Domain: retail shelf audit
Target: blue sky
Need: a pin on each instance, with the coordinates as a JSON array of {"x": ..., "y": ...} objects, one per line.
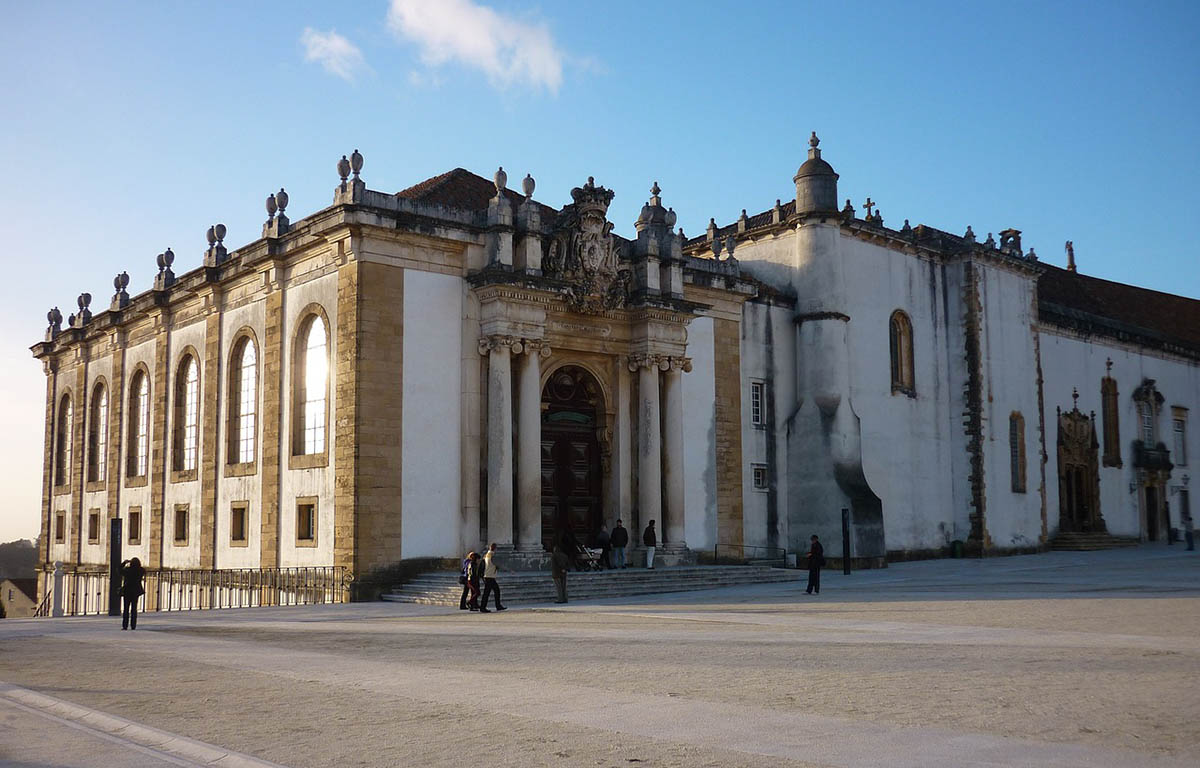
[{"x": 128, "y": 128}]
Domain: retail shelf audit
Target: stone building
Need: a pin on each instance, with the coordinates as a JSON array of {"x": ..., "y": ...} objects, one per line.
[{"x": 413, "y": 374}]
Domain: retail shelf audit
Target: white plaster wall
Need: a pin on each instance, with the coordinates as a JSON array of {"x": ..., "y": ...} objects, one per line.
[
  {"x": 431, "y": 486},
  {"x": 1070, "y": 362},
  {"x": 315, "y": 481},
  {"x": 247, "y": 488},
  {"x": 1008, "y": 363},
  {"x": 906, "y": 441},
  {"x": 699, "y": 439},
  {"x": 139, "y": 354},
  {"x": 186, "y": 555}
]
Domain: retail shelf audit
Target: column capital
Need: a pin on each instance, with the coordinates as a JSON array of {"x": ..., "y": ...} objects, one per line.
[
  {"x": 499, "y": 341},
  {"x": 683, "y": 364},
  {"x": 647, "y": 360},
  {"x": 538, "y": 347}
]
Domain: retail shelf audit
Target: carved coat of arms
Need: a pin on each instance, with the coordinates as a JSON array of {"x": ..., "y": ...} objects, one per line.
[{"x": 584, "y": 254}]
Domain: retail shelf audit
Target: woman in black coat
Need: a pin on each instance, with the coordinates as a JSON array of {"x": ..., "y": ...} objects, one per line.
[{"x": 132, "y": 589}]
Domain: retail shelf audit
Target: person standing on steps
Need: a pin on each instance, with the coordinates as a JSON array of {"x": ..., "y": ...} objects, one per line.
[
  {"x": 604, "y": 541},
  {"x": 489, "y": 579},
  {"x": 473, "y": 580},
  {"x": 132, "y": 589},
  {"x": 559, "y": 563},
  {"x": 464, "y": 578},
  {"x": 650, "y": 540},
  {"x": 816, "y": 559},
  {"x": 619, "y": 540}
]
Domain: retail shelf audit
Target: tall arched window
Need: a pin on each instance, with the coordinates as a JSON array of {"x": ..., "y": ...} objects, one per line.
[
  {"x": 187, "y": 414},
  {"x": 97, "y": 448},
  {"x": 243, "y": 402},
  {"x": 137, "y": 452},
  {"x": 1112, "y": 426},
  {"x": 312, "y": 383},
  {"x": 62, "y": 453},
  {"x": 900, "y": 332}
]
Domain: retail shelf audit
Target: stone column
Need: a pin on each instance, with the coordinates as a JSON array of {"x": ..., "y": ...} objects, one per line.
[
  {"x": 649, "y": 441},
  {"x": 529, "y": 447},
  {"x": 500, "y": 439},
  {"x": 673, "y": 514}
]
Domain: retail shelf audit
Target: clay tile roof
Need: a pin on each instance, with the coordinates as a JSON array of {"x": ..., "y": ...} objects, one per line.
[
  {"x": 752, "y": 222},
  {"x": 1140, "y": 311},
  {"x": 462, "y": 189}
]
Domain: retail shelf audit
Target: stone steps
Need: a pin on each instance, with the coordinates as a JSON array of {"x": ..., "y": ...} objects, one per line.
[
  {"x": 1090, "y": 542},
  {"x": 442, "y": 587}
]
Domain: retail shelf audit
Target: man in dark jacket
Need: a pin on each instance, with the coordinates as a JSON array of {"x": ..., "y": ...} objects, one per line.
[
  {"x": 816, "y": 559},
  {"x": 619, "y": 540},
  {"x": 604, "y": 541},
  {"x": 650, "y": 541}
]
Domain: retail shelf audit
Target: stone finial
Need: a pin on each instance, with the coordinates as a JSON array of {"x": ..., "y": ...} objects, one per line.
[
  {"x": 672, "y": 217},
  {"x": 848, "y": 209},
  {"x": 220, "y": 231},
  {"x": 281, "y": 199},
  {"x": 356, "y": 163},
  {"x": 1031, "y": 255},
  {"x": 1108, "y": 366},
  {"x": 1070, "y": 248},
  {"x": 711, "y": 232},
  {"x": 1075, "y": 397},
  {"x": 654, "y": 192},
  {"x": 120, "y": 298},
  {"x": 776, "y": 212},
  {"x": 813, "y": 141},
  {"x": 527, "y": 186},
  {"x": 216, "y": 252},
  {"x": 500, "y": 180},
  {"x": 211, "y": 237},
  {"x": 54, "y": 320},
  {"x": 907, "y": 228},
  {"x": 730, "y": 244},
  {"x": 84, "y": 316},
  {"x": 742, "y": 221},
  {"x": 970, "y": 235},
  {"x": 878, "y": 218},
  {"x": 717, "y": 244},
  {"x": 990, "y": 242},
  {"x": 165, "y": 277},
  {"x": 272, "y": 207},
  {"x": 343, "y": 168},
  {"x": 681, "y": 235}
]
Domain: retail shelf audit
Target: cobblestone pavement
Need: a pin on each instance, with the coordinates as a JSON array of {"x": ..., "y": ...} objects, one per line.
[{"x": 1061, "y": 659}]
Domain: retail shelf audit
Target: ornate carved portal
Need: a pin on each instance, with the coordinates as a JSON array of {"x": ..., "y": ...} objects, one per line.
[
  {"x": 572, "y": 476},
  {"x": 1078, "y": 473}
]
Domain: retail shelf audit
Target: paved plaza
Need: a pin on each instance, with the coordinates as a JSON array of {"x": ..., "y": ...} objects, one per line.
[{"x": 1061, "y": 659}]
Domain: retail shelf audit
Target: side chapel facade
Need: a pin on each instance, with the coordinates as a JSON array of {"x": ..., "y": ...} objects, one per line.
[{"x": 413, "y": 374}]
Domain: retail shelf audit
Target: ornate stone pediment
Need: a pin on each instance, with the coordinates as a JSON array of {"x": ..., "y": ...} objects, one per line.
[{"x": 584, "y": 254}]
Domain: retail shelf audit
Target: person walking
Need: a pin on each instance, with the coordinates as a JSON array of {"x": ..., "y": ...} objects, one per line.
[
  {"x": 604, "y": 541},
  {"x": 464, "y": 578},
  {"x": 816, "y": 559},
  {"x": 650, "y": 541},
  {"x": 1189, "y": 534},
  {"x": 559, "y": 563},
  {"x": 489, "y": 579},
  {"x": 132, "y": 589},
  {"x": 619, "y": 540},
  {"x": 473, "y": 580}
]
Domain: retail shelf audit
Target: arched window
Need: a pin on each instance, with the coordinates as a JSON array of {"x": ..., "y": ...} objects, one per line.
[
  {"x": 243, "y": 402},
  {"x": 1016, "y": 451},
  {"x": 97, "y": 449},
  {"x": 187, "y": 414},
  {"x": 62, "y": 453},
  {"x": 902, "y": 354},
  {"x": 137, "y": 454},
  {"x": 312, "y": 383}
]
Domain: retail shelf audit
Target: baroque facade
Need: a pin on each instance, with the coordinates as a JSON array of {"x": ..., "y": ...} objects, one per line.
[{"x": 413, "y": 374}]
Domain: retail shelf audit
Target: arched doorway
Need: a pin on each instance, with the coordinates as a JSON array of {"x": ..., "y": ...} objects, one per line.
[{"x": 572, "y": 410}]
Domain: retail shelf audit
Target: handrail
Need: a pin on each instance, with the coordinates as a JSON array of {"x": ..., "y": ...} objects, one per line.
[{"x": 43, "y": 608}]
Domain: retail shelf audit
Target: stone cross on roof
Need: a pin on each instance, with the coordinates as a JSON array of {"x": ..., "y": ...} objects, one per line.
[{"x": 868, "y": 205}]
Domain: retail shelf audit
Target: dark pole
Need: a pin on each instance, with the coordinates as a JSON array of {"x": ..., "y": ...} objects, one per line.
[
  {"x": 845, "y": 541},
  {"x": 114, "y": 567}
]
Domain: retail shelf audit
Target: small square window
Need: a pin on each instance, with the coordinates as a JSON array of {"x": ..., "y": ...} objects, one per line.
[
  {"x": 237, "y": 523},
  {"x": 760, "y": 476},
  {"x": 757, "y": 403},
  {"x": 135, "y": 525},
  {"x": 60, "y": 527},
  {"x": 306, "y": 522},
  {"x": 94, "y": 526},
  {"x": 181, "y": 524}
]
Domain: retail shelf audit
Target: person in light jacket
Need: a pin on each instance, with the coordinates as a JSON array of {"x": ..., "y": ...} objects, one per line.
[
  {"x": 650, "y": 541},
  {"x": 489, "y": 579}
]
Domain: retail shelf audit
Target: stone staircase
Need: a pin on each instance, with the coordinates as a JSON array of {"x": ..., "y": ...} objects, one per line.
[
  {"x": 1069, "y": 541},
  {"x": 524, "y": 587}
]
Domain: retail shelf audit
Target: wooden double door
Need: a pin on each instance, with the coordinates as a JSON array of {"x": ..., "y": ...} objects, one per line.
[{"x": 571, "y": 470}]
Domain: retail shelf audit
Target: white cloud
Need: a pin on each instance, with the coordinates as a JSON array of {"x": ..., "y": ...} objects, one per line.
[
  {"x": 335, "y": 53},
  {"x": 508, "y": 51}
]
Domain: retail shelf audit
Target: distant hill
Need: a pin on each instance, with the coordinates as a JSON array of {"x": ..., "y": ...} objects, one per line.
[{"x": 18, "y": 560}]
